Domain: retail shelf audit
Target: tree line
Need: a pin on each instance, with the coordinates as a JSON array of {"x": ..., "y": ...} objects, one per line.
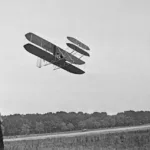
[{"x": 19, "y": 124}]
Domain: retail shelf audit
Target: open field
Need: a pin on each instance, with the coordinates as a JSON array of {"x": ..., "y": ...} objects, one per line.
[
  {"x": 127, "y": 138},
  {"x": 72, "y": 134}
]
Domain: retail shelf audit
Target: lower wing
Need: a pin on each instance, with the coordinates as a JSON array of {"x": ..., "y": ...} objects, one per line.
[{"x": 52, "y": 59}]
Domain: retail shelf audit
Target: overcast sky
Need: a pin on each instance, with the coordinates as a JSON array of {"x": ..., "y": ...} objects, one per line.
[{"x": 117, "y": 74}]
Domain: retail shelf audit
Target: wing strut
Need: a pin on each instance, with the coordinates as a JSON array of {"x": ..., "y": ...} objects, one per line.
[
  {"x": 67, "y": 54},
  {"x": 41, "y": 62}
]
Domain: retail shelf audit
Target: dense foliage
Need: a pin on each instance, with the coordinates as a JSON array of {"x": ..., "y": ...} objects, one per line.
[{"x": 18, "y": 124}]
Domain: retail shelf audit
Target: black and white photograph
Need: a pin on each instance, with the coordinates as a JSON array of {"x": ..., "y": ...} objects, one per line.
[{"x": 75, "y": 75}]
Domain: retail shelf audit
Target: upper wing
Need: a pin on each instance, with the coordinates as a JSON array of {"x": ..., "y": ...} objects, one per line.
[
  {"x": 50, "y": 58},
  {"x": 77, "y": 42},
  {"x": 53, "y": 48}
]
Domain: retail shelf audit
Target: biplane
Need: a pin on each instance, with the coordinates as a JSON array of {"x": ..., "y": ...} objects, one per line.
[{"x": 49, "y": 53}]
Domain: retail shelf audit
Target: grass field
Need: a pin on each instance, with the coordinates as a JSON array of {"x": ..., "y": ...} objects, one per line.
[{"x": 122, "y": 140}]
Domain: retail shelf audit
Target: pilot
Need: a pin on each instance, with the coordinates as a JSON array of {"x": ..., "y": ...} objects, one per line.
[
  {"x": 58, "y": 55},
  {"x": 61, "y": 56},
  {"x": 1, "y": 135}
]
